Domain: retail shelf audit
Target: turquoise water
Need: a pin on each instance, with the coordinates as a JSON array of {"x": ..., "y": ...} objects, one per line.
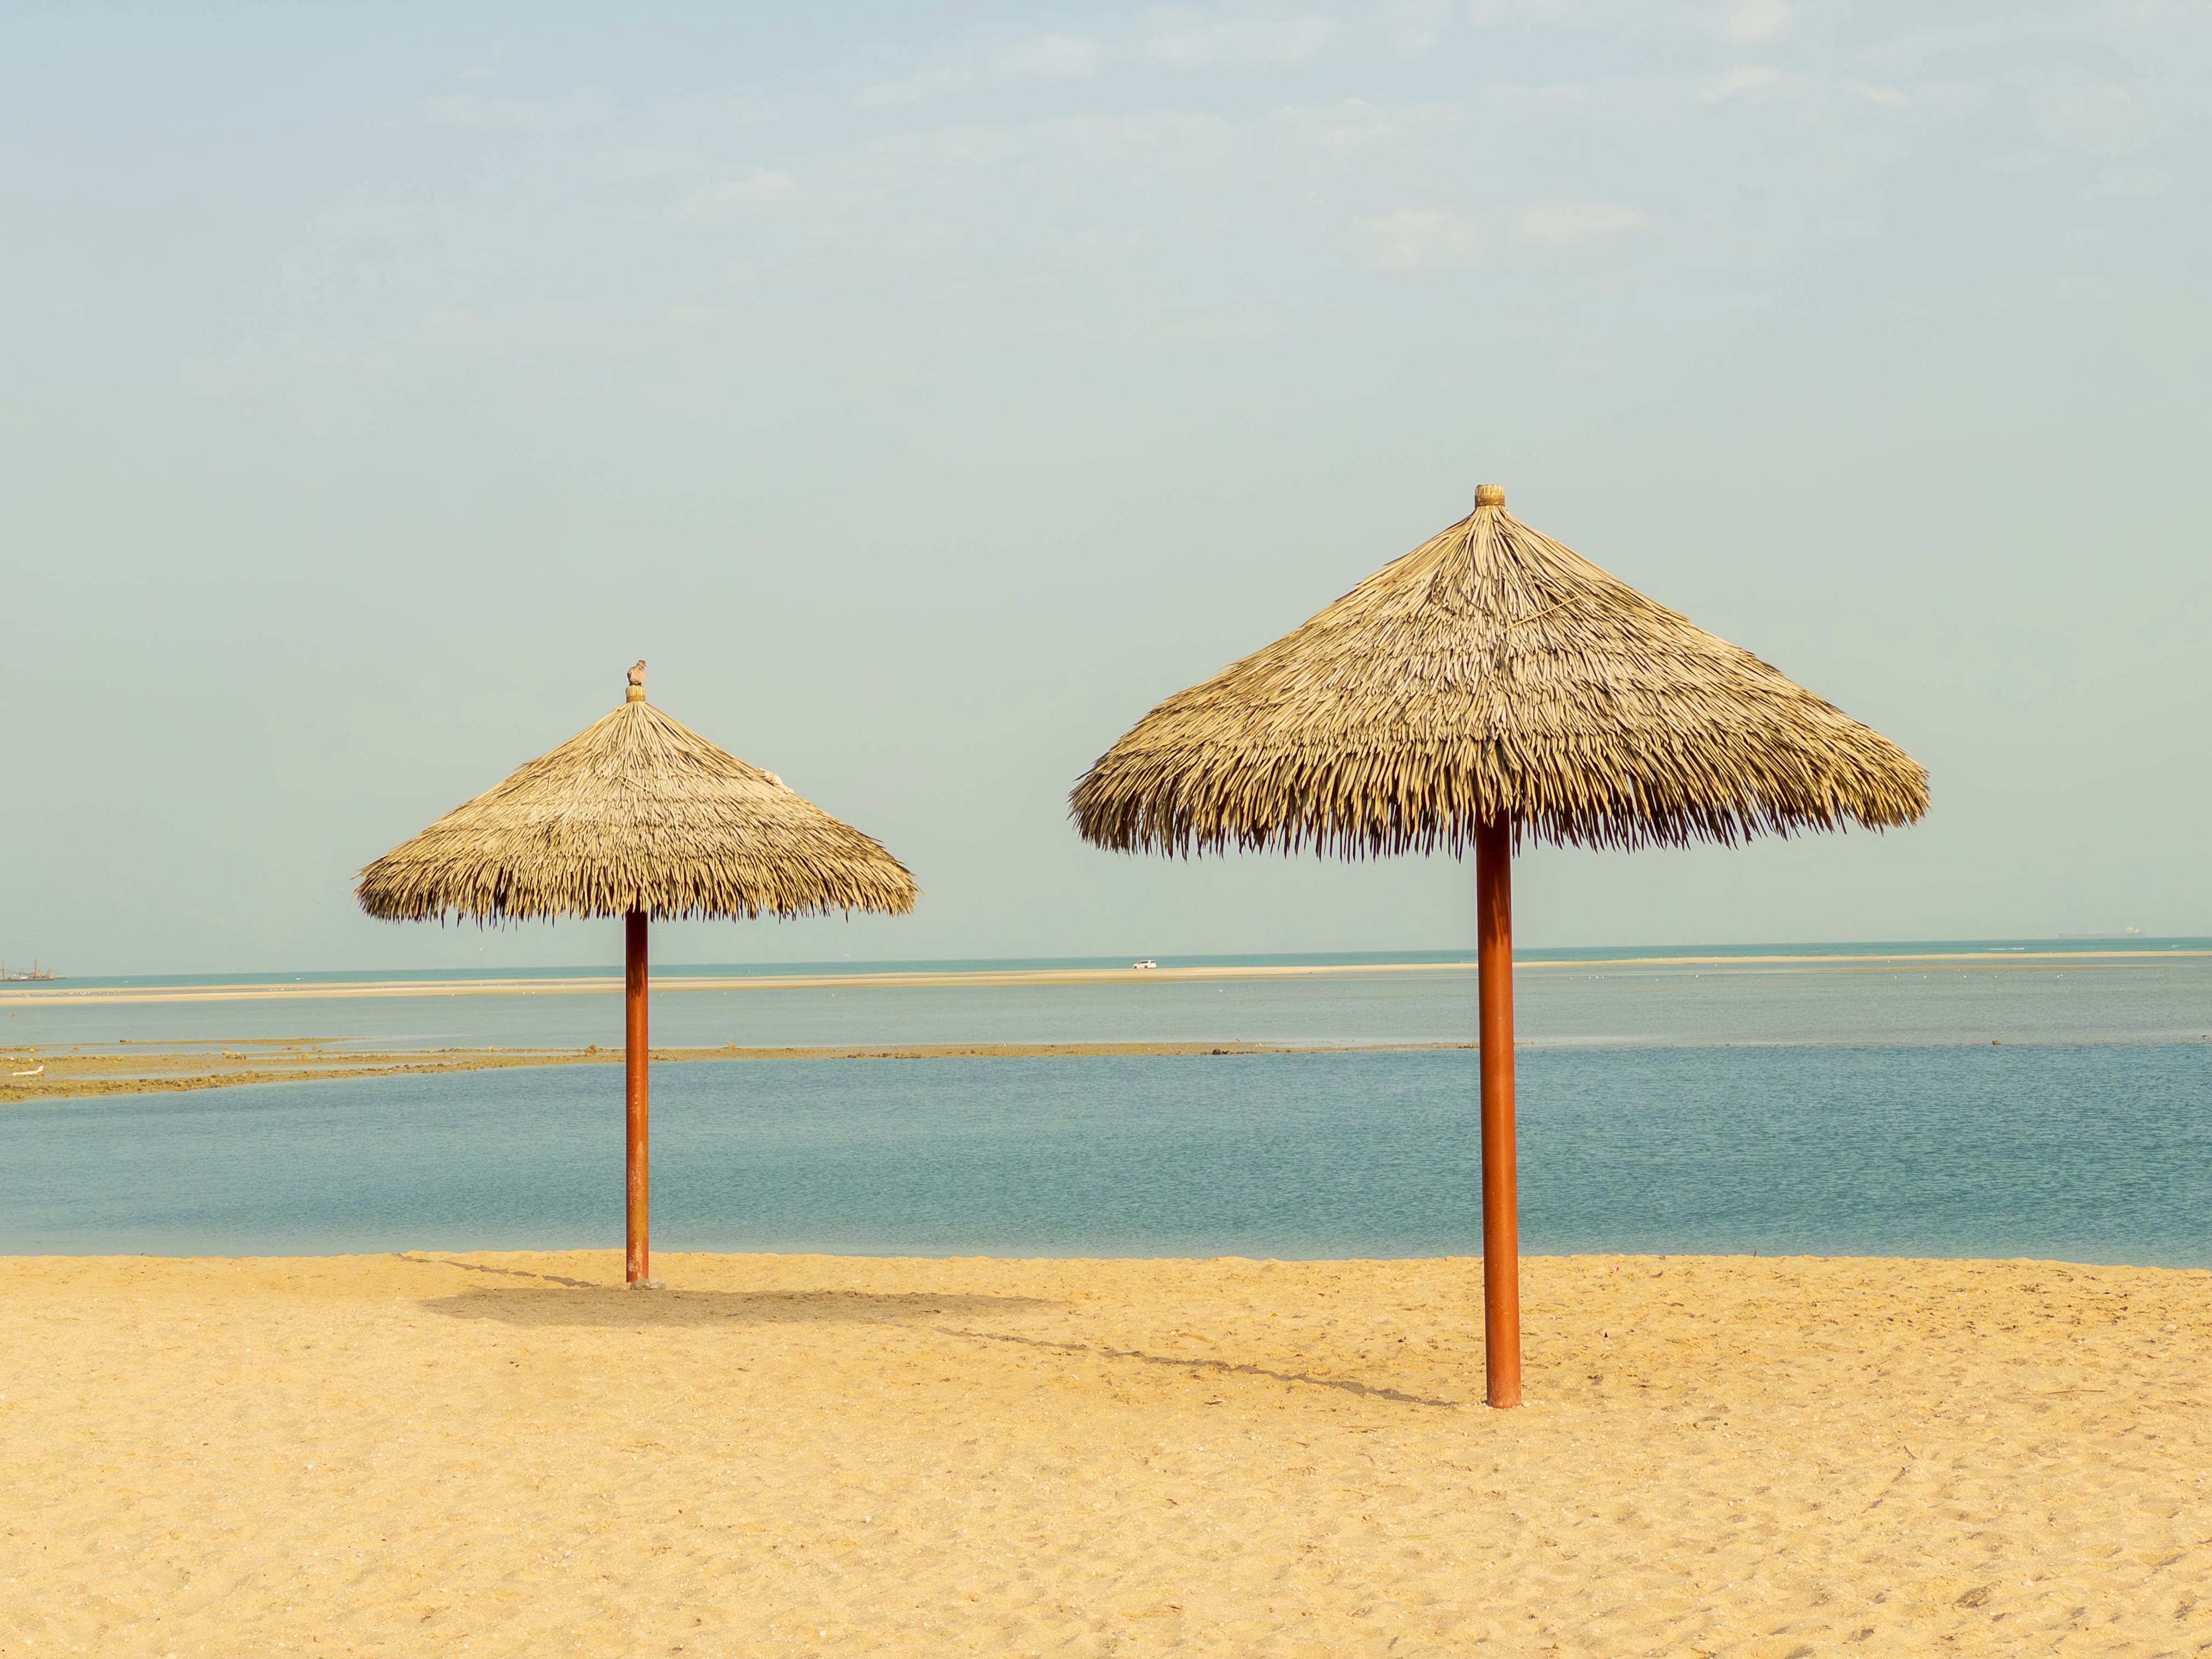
[
  {"x": 2090, "y": 1153},
  {"x": 1583, "y": 999},
  {"x": 2079, "y": 945},
  {"x": 1867, "y": 1106}
]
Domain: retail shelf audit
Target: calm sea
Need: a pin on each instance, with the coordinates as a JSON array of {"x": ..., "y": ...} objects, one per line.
[
  {"x": 2038, "y": 1108},
  {"x": 1878, "y": 995}
]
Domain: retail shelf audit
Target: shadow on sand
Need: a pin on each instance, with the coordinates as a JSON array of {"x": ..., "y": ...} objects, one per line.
[
  {"x": 631, "y": 1310},
  {"x": 1197, "y": 1366}
]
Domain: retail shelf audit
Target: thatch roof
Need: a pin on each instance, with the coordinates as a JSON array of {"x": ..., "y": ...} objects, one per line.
[
  {"x": 1491, "y": 670},
  {"x": 637, "y": 811}
]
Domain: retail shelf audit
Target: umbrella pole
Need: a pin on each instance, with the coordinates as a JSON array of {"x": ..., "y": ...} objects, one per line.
[
  {"x": 636, "y": 1057},
  {"x": 1501, "y": 1214}
]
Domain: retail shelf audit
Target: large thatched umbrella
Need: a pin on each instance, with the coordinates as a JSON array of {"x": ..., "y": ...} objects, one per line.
[
  {"x": 638, "y": 816},
  {"x": 1492, "y": 687}
]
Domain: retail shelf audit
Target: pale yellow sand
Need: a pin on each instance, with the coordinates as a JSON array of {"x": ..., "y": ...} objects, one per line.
[
  {"x": 809, "y": 1455},
  {"x": 678, "y": 979},
  {"x": 126, "y": 1068}
]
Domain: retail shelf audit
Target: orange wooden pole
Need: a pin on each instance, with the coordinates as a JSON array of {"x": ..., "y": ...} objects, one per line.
[
  {"x": 637, "y": 1059},
  {"x": 1501, "y": 1203}
]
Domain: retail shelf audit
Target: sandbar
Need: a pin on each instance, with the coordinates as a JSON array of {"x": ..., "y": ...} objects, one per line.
[
  {"x": 126, "y": 1068},
  {"x": 679, "y": 979}
]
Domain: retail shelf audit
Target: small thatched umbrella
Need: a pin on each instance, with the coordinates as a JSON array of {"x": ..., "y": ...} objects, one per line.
[
  {"x": 637, "y": 816},
  {"x": 1492, "y": 687}
]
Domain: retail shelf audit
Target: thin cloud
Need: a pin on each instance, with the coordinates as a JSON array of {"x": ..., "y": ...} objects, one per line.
[
  {"x": 466, "y": 110},
  {"x": 2129, "y": 183},
  {"x": 1046, "y": 57},
  {"x": 650, "y": 162},
  {"x": 1564, "y": 223},
  {"x": 1559, "y": 14},
  {"x": 1189, "y": 157},
  {"x": 921, "y": 86},
  {"x": 1890, "y": 97},
  {"x": 1411, "y": 238},
  {"x": 486, "y": 71},
  {"x": 2103, "y": 119},
  {"x": 1241, "y": 326},
  {"x": 1415, "y": 24},
  {"x": 1049, "y": 58},
  {"x": 1181, "y": 39},
  {"x": 763, "y": 192},
  {"x": 1752, "y": 84},
  {"x": 1578, "y": 97},
  {"x": 1748, "y": 21},
  {"x": 1325, "y": 140}
]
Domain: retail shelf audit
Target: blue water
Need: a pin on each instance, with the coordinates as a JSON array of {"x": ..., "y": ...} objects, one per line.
[
  {"x": 1861, "y": 999},
  {"x": 2087, "y": 1152},
  {"x": 2082, "y": 944}
]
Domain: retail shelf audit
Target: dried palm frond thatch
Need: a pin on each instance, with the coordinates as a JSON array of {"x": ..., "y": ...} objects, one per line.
[
  {"x": 1492, "y": 674},
  {"x": 637, "y": 812}
]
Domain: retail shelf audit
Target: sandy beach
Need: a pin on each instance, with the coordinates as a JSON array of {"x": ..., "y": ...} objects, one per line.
[
  {"x": 142, "y": 1069},
  {"x": 784, "y": 1454}
]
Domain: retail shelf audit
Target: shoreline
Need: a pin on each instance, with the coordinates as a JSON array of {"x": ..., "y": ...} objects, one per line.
[
  {"x": 122, "y": 1068},
  {"x": 608, "y": 1264},
  {"x": 128, "y": 1068},
  {"x": 673, "y": 980}
]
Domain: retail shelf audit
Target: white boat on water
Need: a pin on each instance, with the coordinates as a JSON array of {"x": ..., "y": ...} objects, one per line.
[{"x": 1147, "y": 962}]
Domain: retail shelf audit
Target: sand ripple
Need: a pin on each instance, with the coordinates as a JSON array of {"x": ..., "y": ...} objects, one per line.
[{"x": 505, "y": 1454}]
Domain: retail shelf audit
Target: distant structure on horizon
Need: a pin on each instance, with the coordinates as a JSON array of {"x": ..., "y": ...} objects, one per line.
[{"x": 5, "y": 976}]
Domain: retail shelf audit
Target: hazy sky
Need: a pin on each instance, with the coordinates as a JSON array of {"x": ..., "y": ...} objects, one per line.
[{"x": 927, "y": 391}]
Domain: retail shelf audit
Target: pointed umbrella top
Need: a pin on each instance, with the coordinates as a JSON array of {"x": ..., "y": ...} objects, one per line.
[
  {"x": 635, "y": 813},
  {"x": 1491, "y": 672}
]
